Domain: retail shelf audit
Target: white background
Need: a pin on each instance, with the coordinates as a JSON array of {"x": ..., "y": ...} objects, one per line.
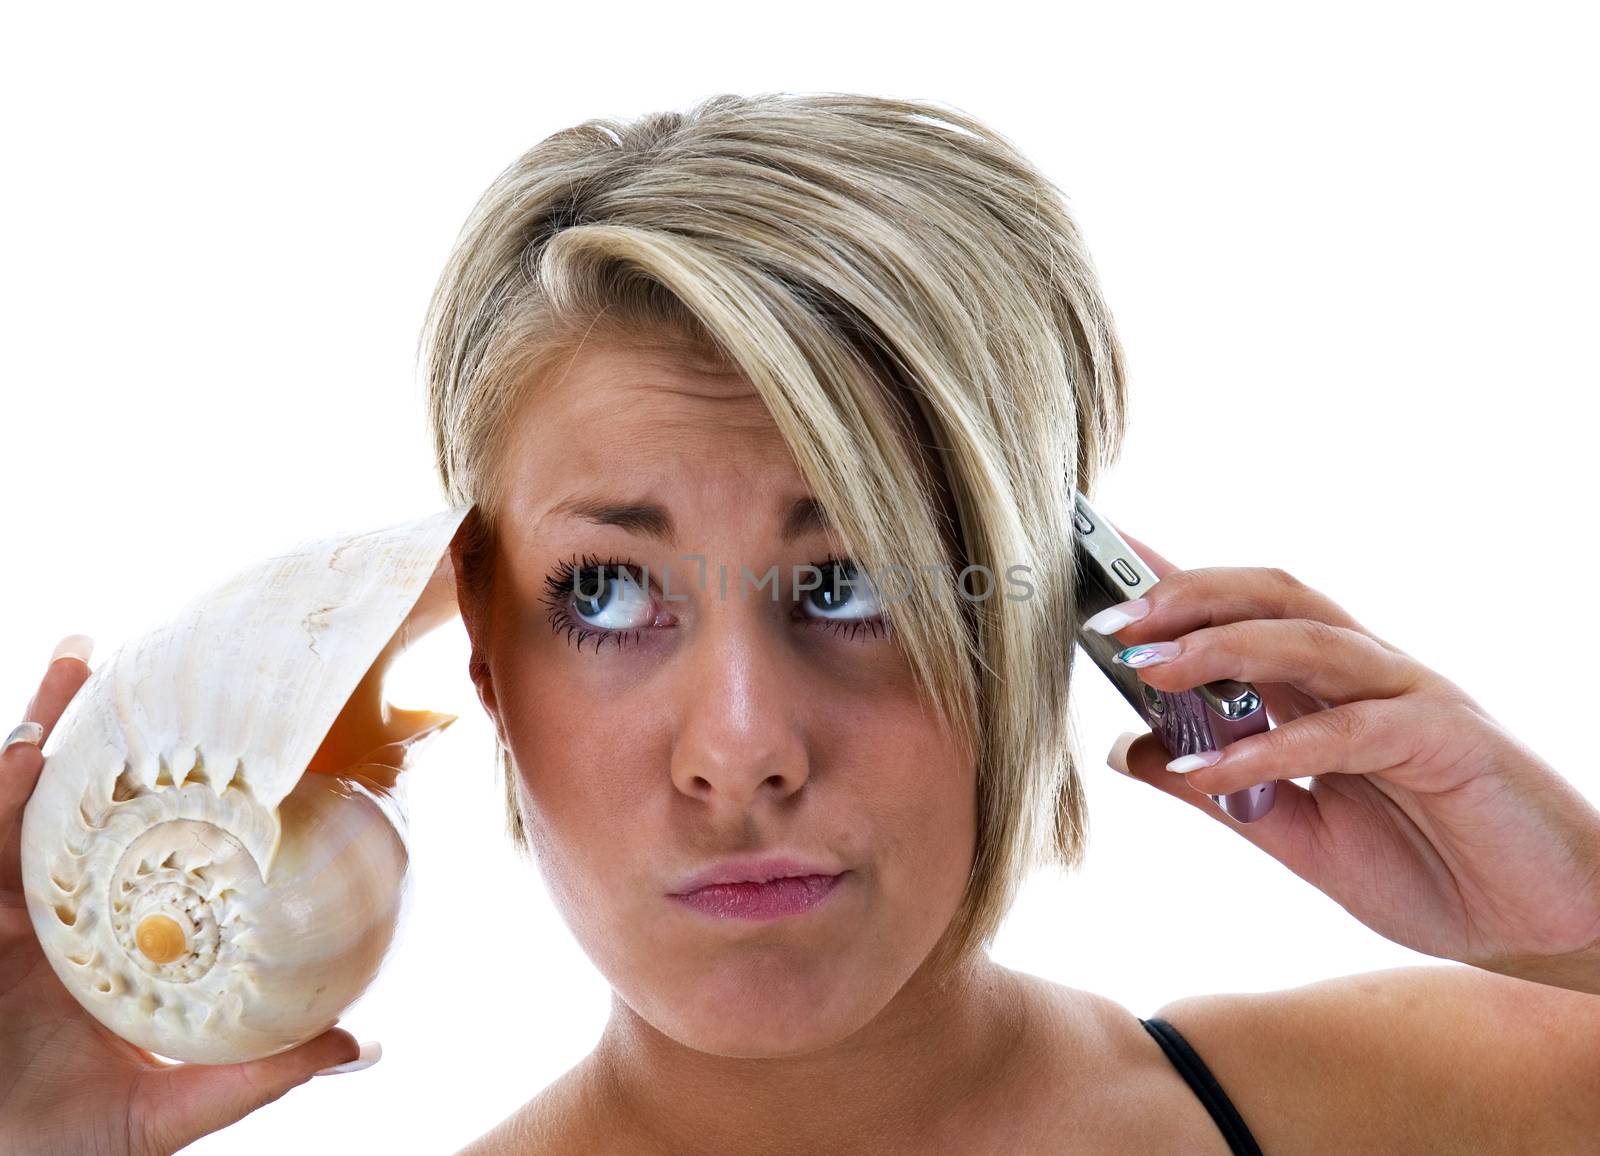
[{"x": 1350, "y": 249}]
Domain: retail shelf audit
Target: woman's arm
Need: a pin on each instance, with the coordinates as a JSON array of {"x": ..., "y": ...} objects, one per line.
[
  {"x": 1415, "y": 1059},
  {"x": 1432, "y": 825}
]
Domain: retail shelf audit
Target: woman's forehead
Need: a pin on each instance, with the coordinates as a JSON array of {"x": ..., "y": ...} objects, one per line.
[
  {"x": 618, "y": 367},
  {"x": 644, "y": 435},
  {"x": 643, "y": 397},
  {"x": 636, "y": 427}
]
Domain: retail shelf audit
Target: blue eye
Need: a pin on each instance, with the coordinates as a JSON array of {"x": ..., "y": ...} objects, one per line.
[
  {"x": 606, "y": 601},
  {"x": 611, "y": 598},
  {"x": 609, "y": 601},
  {"x": 845, "y": 595}
]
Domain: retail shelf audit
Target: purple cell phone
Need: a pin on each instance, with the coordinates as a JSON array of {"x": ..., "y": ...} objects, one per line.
[{"x": 1206, "y": 718}]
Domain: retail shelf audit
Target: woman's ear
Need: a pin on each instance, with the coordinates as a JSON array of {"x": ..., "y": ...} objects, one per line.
[{"x": 472, "y": 556}]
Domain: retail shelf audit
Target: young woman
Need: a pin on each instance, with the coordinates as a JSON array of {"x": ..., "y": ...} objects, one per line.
[{"x": 707, "y": 381}]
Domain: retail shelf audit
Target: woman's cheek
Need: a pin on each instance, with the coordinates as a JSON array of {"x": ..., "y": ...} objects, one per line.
[
  {"x": 921, "y": 797},
  {"x": 575, "y": 792}
]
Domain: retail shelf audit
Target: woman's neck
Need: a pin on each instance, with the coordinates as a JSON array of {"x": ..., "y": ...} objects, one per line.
[{"x": 931, "y": 1068}]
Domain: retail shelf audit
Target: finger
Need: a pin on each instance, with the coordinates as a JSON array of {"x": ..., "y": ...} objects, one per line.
[
  {"x": 21, "y": 760},
  {"x": 1331, "y": 663},
  {"x": 1367, "y": 737},
  {"x": 1293, "y": 832},
  {"x": 1186, "y": 600},
  {"x": 1283, "y": 832},
  {"x": 1296, "y": 831},
  {"x": 175, "y": 1106},
  {"x": 1285, "y": 702},
  {"x": 20, "y": 764},
  {"x": 67, "y": 671}
]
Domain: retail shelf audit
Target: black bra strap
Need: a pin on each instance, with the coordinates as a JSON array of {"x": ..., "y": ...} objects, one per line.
[{"x": 1199, "y": 1078}]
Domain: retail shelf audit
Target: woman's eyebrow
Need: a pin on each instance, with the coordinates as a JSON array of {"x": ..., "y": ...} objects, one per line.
[{"x": 804, "y": 516}]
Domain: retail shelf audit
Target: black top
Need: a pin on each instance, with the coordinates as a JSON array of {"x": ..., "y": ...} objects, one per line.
[{"x": 1199, "y": 1078}]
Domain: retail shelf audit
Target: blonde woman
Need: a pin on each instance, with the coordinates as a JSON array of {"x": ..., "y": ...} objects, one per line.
[{"x": 705, "y": 378}]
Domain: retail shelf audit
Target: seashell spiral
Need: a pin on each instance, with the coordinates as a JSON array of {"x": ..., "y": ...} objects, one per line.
[{"x": 215, "y": 857}]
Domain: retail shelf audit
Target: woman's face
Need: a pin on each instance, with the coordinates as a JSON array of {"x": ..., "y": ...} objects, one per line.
[{"x": 656, "y": 736}]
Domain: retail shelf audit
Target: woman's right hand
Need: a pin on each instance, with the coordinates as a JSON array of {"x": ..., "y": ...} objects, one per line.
[{"x": 68, "y": 1084}]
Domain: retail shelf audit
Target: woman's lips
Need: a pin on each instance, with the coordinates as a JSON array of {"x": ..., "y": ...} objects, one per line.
[{"x": 774, "y": 899}]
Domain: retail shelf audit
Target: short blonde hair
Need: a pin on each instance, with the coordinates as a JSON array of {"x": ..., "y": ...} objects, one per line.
[{"x": 916, "y": 307}]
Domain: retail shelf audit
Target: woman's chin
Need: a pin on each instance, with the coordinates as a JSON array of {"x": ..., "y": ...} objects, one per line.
[{"x": 760, "y": 1008}]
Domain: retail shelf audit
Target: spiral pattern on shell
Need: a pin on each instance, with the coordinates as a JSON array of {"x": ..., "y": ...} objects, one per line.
[{"x": 202, "y": 942}]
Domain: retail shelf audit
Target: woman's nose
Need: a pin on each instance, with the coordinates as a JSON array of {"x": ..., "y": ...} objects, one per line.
[{"x": 740, "y": 732}]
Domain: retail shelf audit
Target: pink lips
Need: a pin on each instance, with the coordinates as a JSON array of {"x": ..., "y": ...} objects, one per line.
[
  {"x": 755, "y": 869},
  {"x": 774, "y": 899}
]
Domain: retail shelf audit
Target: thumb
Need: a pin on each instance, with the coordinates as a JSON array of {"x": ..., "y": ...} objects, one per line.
[{"x": 177, "y": 1105}]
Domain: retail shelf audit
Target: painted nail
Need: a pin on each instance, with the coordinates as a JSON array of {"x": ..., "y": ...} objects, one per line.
[
  {"x": 79, "y": 646},
  {"x": 1195, "y": 761},
  {"x": 371, "y": 1053},
  {"x": 1148, "y": 654},
  {"x": 1117, "y": 760},
  {"x": 28, "y": 732},
  {"x": 1114, "y": 618}
]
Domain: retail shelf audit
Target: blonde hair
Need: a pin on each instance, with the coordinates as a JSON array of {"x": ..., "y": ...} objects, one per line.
[{"x": 913, "y": 302}]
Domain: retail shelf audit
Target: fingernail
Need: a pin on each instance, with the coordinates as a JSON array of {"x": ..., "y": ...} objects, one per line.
[
  {"x": 1149, "y": 654},
  {"x": 371, "y": 1053},
  {"x": 28, "y": 732},
  {"x": 79, "y": 646},
  {"x": 1117, "y": 760},
  {"x": 1114, "y": 618},
  {"x": 1195, "y": 761}
]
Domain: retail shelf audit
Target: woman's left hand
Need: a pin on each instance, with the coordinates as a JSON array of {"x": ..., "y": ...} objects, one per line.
[{"x": 1425, "y": 820}]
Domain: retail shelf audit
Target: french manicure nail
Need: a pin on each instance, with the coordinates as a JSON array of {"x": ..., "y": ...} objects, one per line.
[
  {"x": 28, "y": 732},
  {"x": 1117, "y": 760},
  {"x": 79, "y": 646},
  {"x": 1195, "y": 761},
  {"x": 1149, "y": 654},
  {"x": 371, "y": 1053},
  {"x": 1114, "y": 618}
]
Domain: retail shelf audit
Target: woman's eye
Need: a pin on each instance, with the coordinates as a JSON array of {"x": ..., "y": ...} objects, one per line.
[
  {"x": 610, "y": 601},
  {"x": 844, "y": 595},
  {"x": 611, "y": 598}
]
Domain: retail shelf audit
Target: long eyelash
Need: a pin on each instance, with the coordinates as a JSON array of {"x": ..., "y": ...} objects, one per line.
[
  {"x": 563, "y": 583},
  {"x": 855, "y": 626}
]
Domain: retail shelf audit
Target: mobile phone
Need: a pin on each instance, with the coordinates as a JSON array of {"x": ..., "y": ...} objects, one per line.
[{"x": 1205, "y": 718}]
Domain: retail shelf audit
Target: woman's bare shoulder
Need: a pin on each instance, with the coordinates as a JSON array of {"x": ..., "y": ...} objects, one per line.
[
  {"x": 1443, "y": 1058},
  {"x": 1436, "y": 1058},
  {"x": 1091, "y": 1074}
]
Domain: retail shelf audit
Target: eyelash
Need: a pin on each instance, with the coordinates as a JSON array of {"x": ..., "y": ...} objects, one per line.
[{"x": 561, "y": 586}]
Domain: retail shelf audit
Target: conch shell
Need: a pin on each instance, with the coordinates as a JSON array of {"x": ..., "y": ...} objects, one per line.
[{"x": 215, "y": 857}]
